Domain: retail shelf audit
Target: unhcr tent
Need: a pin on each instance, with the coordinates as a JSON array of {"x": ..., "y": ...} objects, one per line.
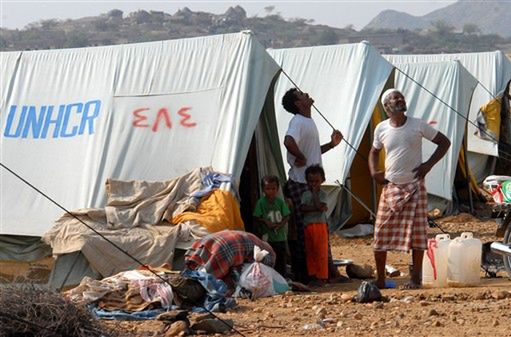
[
  {"x": 493, "y": 71},
  {"x": 153, "y": 111},
  {"x": 439, "y": 93},
  {"x": 346, "y": 82}
]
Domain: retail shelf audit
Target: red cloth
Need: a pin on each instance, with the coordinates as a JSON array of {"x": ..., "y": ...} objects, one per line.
[
  {"x": 220, "y": 251},
  {"x": 402, "y": 223},
  {"x": 316, "y": 250}
]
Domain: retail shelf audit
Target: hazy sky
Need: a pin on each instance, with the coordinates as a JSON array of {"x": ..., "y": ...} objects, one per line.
[{"x": 335, "y": 13}]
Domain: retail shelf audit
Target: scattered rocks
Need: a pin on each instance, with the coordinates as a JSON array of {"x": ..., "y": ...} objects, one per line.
[
  {"x": 460, "y": 321},
  {"x": 213, "y": 325},
  {"x": 448, "y": 298},
  {"x": 321, "y": 311},
  {"x": 313, "y": 326},
  {"x": 500, "y": 295},
  {"x": 357, "y": 271},
  {"x": 408, "y": 299},
  {"x": 178, "y": 328},
  {"x": 377, "y": 305},
  {"x": 346, "y": 298},
  {"x": 480, "y": 296},
  {"x": 433, "y": 312}
]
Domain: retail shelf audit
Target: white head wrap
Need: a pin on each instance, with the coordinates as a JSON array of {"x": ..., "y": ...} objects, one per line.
[{"x": 386, "y": 93}]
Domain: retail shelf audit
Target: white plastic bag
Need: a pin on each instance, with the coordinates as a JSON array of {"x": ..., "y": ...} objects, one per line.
[{"x": 261, "y": 280}]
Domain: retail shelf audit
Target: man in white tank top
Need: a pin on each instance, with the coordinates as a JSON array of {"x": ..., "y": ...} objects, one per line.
[{"x": 401, "y": 221}]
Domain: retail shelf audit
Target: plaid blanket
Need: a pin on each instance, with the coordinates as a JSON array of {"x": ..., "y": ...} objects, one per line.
[
  {"x": 220, "y": 251},
  {"x": 401, "y": 223}
]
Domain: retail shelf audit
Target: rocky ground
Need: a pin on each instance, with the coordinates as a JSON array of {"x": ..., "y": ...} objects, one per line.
[{"x": 484, "y": 310}]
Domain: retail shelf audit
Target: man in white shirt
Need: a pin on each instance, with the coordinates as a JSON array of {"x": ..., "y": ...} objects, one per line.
[
  {"x": 303, "y": 150},
  {"x": 401, "y": 221}
]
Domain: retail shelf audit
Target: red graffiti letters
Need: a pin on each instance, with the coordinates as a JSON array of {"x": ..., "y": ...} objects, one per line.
[{"x": 143, "y": 117}]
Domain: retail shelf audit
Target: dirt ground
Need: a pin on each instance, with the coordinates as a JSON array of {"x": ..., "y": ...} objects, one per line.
[{"x": 484, "y": 310}]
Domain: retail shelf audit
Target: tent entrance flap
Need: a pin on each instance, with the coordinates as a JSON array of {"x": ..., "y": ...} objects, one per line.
[{"x": 362, "y": 185}]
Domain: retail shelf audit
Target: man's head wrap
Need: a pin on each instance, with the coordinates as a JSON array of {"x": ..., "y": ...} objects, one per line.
[{"x": 386, "y": 93}]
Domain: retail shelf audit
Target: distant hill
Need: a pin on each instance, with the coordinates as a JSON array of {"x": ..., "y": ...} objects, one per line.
[
  {"x": 116, "y": 27},
  {"x": 273, "y": 31},
  {"x": 487, "y": 16}
]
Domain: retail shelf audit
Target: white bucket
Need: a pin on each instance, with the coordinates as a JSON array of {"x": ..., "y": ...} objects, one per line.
[
  {"x": 464, "y": 261},
  {"x": 434, "y": 264}
]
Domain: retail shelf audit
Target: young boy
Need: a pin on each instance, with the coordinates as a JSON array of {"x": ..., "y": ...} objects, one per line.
[
  {"x": 314, "y": 210},
  {"x": 271, "y": 214}
]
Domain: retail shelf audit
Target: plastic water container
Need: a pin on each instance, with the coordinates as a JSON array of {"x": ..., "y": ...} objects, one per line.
[
  {"x": 464, "y": 261},
  {"x": 434, "y": 264}
]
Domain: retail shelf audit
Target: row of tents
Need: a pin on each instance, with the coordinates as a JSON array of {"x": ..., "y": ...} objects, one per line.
[{"x": 72, "y": 118}]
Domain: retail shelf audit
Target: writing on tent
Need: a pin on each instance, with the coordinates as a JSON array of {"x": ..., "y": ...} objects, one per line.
[
  {"x": 162, "y": 118},
  {"x": 52, "y": 121}
]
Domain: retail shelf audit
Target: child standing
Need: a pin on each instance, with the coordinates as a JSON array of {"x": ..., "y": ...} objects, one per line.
[
  {"x": 271, "y": 214},
  {"x": 314, "y": 209}
]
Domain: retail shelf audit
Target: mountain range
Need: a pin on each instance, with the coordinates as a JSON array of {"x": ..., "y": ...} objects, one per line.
[
  {"x": 272, "y": 31},
  {"x": 486, "y": 16}
]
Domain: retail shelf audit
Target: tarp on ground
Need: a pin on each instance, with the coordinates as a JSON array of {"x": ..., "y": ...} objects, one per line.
[{"x": 70, "y": 119}]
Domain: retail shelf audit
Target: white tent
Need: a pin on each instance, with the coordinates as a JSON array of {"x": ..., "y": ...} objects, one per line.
[
  {"x": 493, "y": 71},
  {"x": 346, "y": 82},
  {"x": 452, "y": 86},
  {"x": 72, "y": 118}
]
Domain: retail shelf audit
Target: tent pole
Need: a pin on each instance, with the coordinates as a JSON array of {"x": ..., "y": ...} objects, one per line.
[
  {"x": 374, "y": 188},
  {"x": 471, "y": 202},
  {"x": 357, "y": 199}
]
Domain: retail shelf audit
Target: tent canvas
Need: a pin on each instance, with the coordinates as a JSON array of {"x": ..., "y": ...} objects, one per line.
[
  {"x": 329, "y": 74},
  {"x": 493, "y": 71},
  {"x": 72, "y": 118},
  {"x": 453, "y": 86},
  {"x": 346, "y": 82}
]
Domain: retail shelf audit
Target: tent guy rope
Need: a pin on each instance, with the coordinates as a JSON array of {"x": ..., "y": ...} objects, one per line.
[{"x": 109, "y": 241}]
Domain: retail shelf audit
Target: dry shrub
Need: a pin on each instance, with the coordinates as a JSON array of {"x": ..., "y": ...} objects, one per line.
[{"x": 26, "y": 310}]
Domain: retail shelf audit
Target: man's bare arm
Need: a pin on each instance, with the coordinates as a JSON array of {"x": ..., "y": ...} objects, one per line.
[
  {"x": 292, "y": 147},
  {"x": 335, "y": 139},
  {"x": 443, "y": 143},
  {"x": 378, "y": 176}
]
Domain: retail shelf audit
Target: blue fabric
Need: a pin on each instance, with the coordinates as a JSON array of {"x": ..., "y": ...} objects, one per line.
[
  {"x": 212, "y": 181},
  {"x": 125, "y": 315},
  {"x": 216, "y": 291}
]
